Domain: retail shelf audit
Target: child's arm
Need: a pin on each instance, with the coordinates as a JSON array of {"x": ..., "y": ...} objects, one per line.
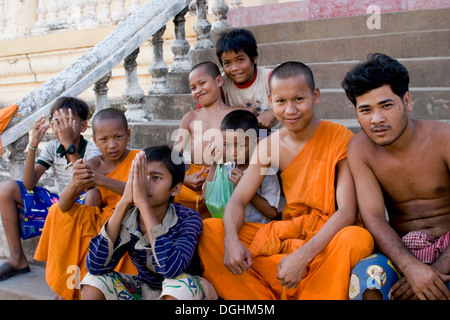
[
  {"x": 82, "y": 178},
  {"x": 266, "y": 119},
  {"x": 259, "y": 202},
  {"x": 32, "y": 171}
]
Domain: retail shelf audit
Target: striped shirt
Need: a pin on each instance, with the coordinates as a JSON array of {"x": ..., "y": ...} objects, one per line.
[{"x": 167, "y": 254}]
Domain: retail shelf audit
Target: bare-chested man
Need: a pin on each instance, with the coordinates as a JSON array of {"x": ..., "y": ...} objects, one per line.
[{"x": 401, "y": 164}]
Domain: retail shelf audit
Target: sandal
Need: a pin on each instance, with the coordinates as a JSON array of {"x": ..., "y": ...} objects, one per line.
[{"x": 7, "y": 271}]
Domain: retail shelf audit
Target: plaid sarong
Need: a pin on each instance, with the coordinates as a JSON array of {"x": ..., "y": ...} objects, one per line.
[{"x": 425, "y": 247}]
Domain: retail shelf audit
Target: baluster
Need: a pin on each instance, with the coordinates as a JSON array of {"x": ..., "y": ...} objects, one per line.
[
  {"x": 180, "y": 46},
  {"x": 65, "y": 12},
  {"x": 220, "y": 9},
  {"x": 53, "y": 10},
  {"x": 91, "y": 15},
  {"x": 158, "y": 69},
  {"x": 202, "y": 27},
  {"x": 134, "y": 5},
  {"x": 101, "y": 93},
  {"x": 76, "y": 20},
  {"x": 17, "y": 157},
  {"x": 2, "y": 19},
  {"x": 104, "y": 16},
  {"x": 40, "y": 25},
  {"x": 236, "y": 4},
  {"x": 133, "y": 93},
  {"x": 119, "y": 12}
]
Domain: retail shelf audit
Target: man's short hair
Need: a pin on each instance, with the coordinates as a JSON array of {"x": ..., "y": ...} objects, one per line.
[
  {"x": 236, "y": 40},
  {"x": 109, "y": 113},
  {"x": 377, "y": 70},
  {"x": 291, "y": 69},
  {"x": 78, "y": 106}
]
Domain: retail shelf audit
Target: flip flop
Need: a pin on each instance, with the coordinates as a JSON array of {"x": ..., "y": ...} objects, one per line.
[{"x": 7, "y": 271}]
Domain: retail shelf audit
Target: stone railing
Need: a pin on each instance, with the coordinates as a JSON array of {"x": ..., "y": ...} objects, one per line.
[
  {"x": 36, "y": 17},
  {"x": 94, "y": 67}
]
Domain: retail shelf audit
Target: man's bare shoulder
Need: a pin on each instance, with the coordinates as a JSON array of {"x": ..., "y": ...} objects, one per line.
[{"x": 360, "y": 144}]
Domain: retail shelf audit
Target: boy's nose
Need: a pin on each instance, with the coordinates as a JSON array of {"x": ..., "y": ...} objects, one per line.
[{"x": 377, "y": 117}]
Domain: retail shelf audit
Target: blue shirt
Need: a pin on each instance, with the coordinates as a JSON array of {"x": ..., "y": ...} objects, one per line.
[{"x": 167, "y": 254}]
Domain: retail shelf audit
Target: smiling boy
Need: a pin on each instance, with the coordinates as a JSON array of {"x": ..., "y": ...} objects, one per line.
[
  {"x": 205, "y": 81},
  {"x": 245, "y": 84}
]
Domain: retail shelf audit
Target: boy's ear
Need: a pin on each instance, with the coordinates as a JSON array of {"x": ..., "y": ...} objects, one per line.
[
  {"x": 129, "y": 134},
  {"x": 219, "y": 80},
  {"x": 316, "y": 95},
  {"x": 84, "y": 126},
  {"x": 176, "y": 189},
  {"x": 255, "y": 60}
]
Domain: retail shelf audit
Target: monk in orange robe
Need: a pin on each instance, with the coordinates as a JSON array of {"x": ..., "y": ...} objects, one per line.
[
  {"x": 69, "y": 226},
  {"x": 309, "y": 253}
]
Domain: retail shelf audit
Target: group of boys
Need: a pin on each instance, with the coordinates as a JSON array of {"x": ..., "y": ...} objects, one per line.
[{"x": 144, "y": 221}]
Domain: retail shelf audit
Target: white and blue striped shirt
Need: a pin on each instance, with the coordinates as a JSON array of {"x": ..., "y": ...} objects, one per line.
[{"x": 166, "y": 255}]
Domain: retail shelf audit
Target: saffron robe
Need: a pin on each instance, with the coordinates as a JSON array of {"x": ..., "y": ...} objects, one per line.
[
  {"x": 191, "y": 198},
  {"x": 309, "y": 186},
  {"x": 64, "y": 242}
]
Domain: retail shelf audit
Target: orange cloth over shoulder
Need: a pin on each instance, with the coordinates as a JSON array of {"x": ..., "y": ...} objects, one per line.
[
  {"x": 191, "y": 198},
  {"x": 64, "y": 242},
  {"x": 309, "y": 187}
]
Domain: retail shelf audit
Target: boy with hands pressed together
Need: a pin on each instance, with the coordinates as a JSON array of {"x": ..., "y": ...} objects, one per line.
[{"x": 159, "y": 236}]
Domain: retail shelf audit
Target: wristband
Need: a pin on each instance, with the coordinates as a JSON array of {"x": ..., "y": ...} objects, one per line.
[{"x": 32, "y": 148}]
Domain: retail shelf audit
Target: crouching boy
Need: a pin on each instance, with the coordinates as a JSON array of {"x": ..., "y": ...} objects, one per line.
[{"x": 160, "y": 237}]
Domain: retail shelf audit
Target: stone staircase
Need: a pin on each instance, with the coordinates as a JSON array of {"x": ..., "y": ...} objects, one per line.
[{"x": 419, "y": 39}]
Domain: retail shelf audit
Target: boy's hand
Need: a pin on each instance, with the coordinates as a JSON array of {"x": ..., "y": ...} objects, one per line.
[
  {"x": 82, "y": 175},
  {"x": 63, "y": 125},
  {"x": 236, "y": 176},
  {"x": 140, "y": 180},
  {"x": 38, "y": 132},
  {"x": 195, "y": 181},
  {"x": 127, "y": 196},
  {"x": 266, "y": 119}
]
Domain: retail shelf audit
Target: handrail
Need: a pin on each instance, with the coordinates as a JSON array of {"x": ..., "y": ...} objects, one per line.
[{"x": 93, "y": 65}]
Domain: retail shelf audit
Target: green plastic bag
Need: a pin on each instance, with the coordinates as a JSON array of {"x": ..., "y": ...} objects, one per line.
[{"x": 218, "y": 192}]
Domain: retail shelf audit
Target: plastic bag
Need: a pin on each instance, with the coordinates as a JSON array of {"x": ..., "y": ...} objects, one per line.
[{"x": 218, "y": 192}]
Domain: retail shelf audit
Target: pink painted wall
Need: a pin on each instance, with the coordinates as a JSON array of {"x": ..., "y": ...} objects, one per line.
[{"x": 321, "y": 9}]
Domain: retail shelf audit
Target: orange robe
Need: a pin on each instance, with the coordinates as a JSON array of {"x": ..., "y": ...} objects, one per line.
[
  {"x": 309, "y": 186},
  {"x": 64, "y": 242},
  {"x": 191, "y": 198}
]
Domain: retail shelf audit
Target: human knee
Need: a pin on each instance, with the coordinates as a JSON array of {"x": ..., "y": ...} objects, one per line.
[
  {"x": 8, "y": 189},
  {"x": 91, "y": 293},
  {"x": 358, "y": 238}
]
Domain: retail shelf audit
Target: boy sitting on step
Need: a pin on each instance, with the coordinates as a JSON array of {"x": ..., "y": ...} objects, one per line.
[{"x": 160, "y": 237}]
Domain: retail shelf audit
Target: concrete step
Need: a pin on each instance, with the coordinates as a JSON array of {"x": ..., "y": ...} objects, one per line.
[
  {"x": 28, "y": 286},
  {"x": 406, "y": 21}
]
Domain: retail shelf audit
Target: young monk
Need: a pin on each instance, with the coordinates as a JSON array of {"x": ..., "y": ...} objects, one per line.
[
  {"x": 70, "y": 226},
  {"x": 309, "y": 254},
  {"x": 401, "y": 164},
  {"x": 205, "y": 81}
]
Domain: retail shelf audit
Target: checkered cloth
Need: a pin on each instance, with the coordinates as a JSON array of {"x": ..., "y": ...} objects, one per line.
[{"x": 425, "y": 247}]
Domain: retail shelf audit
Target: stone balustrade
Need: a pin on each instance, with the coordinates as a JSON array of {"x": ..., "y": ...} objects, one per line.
[{"x": 66, "y": 83}]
